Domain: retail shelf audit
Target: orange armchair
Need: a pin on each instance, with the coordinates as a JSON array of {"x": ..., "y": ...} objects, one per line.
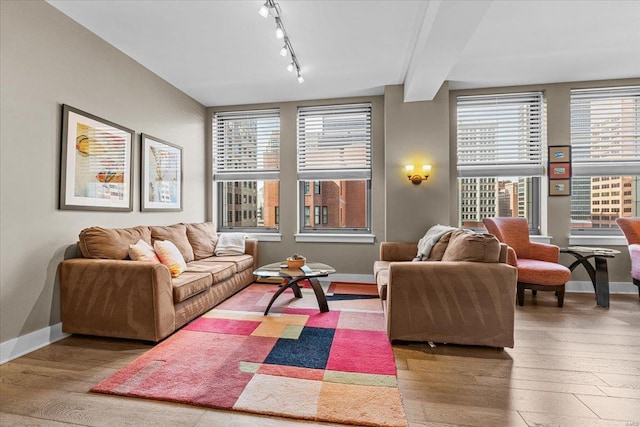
[
  {"x": 537, "y": 263},
  {"x": 631, "y": 229}
]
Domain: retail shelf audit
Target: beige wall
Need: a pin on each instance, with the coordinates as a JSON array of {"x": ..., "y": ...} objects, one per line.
[
  {"x": 48, "y": 60},
  {"x": 556, "y": 210},
  {"x": 416, "y": 133},
  {"x": 356, "y": 258}
]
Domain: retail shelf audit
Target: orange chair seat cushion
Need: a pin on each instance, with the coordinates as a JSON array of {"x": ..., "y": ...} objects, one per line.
[{"x": 542, "y": 272}]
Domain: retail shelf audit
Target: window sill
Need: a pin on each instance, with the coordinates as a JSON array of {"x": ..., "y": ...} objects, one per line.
[
  {"x": 540, "y": 239},
  {"x": 266, "y": 237},
  {"x": 597, "y": 241},
  {"x": 335, "y": 238}
]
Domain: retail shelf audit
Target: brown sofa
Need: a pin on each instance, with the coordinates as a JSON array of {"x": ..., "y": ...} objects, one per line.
[
  {"x": 457, "y": 302},
  {"x": 105, "y": 293}
]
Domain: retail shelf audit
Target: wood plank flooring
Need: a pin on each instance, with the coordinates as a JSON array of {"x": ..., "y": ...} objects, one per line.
[{"x": 573, "y": 366}]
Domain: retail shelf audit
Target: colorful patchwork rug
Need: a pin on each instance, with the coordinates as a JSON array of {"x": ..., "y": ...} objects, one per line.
[{"x": 295, "y": 362}]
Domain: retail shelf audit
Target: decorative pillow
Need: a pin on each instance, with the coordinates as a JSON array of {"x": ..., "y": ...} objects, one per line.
[
  {"x": 429, "y": 239},
  {"x": 476, "y": 247},
  {"x": 437, "y": 251},
  {"x": 203, "y": 239},
  {"x": 142, "y": 251},
  {"x": 110, "y": 243},
  {"x": 170, "y": 256},
  {"x": 177, "y": 234}
]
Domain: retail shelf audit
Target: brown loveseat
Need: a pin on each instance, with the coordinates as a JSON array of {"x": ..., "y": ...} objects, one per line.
[
  {"x": 457, "y": 302},
  {"x": 105, "y": 293}
]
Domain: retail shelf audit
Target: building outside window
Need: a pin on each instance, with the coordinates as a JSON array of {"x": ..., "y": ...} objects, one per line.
[
  {"x": 605, "y": 149},
  {"x": 246, "y": 148},
  {"x": 334, "y": 159},
  {"x": 500, "y": 142}
]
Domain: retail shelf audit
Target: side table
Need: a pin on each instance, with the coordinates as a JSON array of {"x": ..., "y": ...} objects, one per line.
[{"x": 599, "y": 275}]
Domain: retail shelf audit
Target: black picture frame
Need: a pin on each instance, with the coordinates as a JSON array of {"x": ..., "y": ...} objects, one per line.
[{"x": 96, "y": 163}]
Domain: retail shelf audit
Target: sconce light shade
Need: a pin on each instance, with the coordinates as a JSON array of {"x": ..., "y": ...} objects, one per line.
[{"x": 415, "y": 178}]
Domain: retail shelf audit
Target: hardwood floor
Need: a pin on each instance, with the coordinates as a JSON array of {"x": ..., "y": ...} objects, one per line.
[{"x": 573, "y": 366}]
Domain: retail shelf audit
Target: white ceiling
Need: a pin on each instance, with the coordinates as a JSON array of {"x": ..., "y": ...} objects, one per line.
[{"x": 224, "y": 53}]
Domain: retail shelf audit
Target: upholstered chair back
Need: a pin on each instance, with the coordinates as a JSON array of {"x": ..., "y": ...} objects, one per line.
[
  {"x": 512, "y": 231},
  {"x": 631, "y": 229}
]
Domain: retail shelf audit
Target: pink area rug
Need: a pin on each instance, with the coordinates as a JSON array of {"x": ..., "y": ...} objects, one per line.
[{"x": 296, "y": 362}]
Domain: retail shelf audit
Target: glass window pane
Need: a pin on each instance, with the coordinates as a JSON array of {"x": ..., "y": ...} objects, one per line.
[
  {"x": 593, "y": 209},
  {"x": 489, "y": 197},
  {"x": 337, "y": 204},
  {"x": 249, "y": 204}
]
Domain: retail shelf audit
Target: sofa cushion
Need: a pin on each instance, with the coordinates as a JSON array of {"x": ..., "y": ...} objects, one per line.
[
  {"x": 111, "y": 243},
  {"x": 189, "y": 284},
  {"x": 142, "y": 251},
  {"x": 383, "y": 283},
  {"x": 203, "y": 239},
  {"x": 170, "y": 256},
  {"x": 438, "y": 249},
  {"x": 378, "y": 266},
  {"x": 219, "y": 270},
  {"x": 242, "y": 262},
  {"x": 176, "y": 234},
  {"x": 475, "y": 247}
]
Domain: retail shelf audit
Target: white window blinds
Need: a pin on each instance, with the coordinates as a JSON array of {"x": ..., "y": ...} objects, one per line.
[
  {"x": 500, "y": 135},
  {"x": 246, "y": 145},
  {"x": 334, "y": 142},
  {"x": 605, "y": 131}
]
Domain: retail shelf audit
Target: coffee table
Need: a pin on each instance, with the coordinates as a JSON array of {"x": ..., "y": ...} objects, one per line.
[
  {"x": 292, "y": 276},
  {"x": 599, "y": 275}
]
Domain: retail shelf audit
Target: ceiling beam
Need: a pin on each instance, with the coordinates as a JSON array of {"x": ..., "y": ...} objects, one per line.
[{"x": 446, "y": 29}]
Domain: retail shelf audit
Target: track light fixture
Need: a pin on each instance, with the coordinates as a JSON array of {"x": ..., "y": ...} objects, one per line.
[{"x": 270, "y": 7}]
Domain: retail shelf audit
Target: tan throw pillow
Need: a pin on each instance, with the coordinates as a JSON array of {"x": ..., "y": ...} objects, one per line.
[
  {"x": 176, "y": 234},
  {"x": 476, "y": 247},
  {"x": 142, "y": 251},
  {"x": 110, "y": 243},
  {"x": 170, "y": 256},
  {"x": 203, "y": 239},
  {"x": 437, "y": 251}
]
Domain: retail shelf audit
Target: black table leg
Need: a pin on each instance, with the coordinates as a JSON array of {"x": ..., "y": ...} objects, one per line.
[
  {"x": 320, "y": 296},
  {"x": 293, "y": 284},
  {"x": 602, "y": 282},
  {"x": 599, "y": 275}
]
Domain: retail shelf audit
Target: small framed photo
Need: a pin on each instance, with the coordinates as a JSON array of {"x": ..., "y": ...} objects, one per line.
[
  {"x": 560, "y": 187},
  {"x": 96, "y": 164},
  {"x": 161, "y": 183},
  {"x": 559, "y": 170},
  {"x": 560, "y": 154}
]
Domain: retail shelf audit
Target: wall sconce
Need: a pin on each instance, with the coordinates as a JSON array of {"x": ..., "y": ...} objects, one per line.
[{"x": 415, "y": 178}]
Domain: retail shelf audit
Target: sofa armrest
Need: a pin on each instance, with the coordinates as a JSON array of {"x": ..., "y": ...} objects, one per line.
[
  {"x": 251, "y": 248},
  {"x": 398, "y": 251},
  {"x": 116, "y": 298},
  {"x": 452, "y": 301},
  {"x": 544, "y": 252},
  {"x": 634, "y": 253}
]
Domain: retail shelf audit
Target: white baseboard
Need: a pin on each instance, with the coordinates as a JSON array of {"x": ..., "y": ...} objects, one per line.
[
  {"x": 24, "y": 344},
  {"x": 614, "y": 287},
  {"x": 354, "y": 278}
]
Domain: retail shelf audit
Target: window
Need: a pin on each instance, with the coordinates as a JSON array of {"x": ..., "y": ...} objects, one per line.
[
  {"x": 277, "y": 214},
  {"x": 307, "y": 215},
  {"x": 247, "y": 169},
  {"x": 500, "y": 140},
  {"x": 605, "y": 149},
  {"x": 334, "y": 158}
]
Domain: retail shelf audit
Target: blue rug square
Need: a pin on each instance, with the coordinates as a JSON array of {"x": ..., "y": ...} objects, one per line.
[{"x": 310, "y": 350}]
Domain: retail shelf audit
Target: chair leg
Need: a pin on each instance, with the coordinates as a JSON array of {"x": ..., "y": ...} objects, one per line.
[
  {"x": 520, "y": 292},
  {"x": 560, "y": 295}
]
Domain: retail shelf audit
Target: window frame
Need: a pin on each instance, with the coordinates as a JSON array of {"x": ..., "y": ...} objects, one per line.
[
  {"x": 310, "y": 170},
  {"x": 478, "y": 162},
  {"x": 585, "y": 110},
  {"x": 244, "y": 174}
]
